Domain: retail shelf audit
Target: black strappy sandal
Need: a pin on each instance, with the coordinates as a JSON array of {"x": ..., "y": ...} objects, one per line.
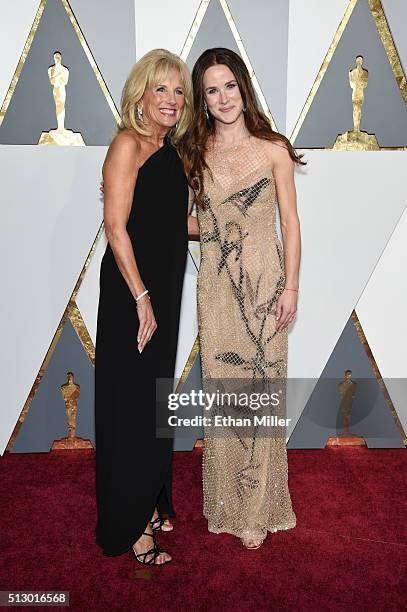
[
  {"x": 155, "y": 552},
  {"x": 157, "y": 523}
]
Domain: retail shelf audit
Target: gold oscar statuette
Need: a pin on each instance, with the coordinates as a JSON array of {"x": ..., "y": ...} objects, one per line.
[
  {"x": 58, "y": 76},
  {"x": 347, "y": 389},
  {"x": 356, "y": 140},
  {"x": 71, "y": 392}
]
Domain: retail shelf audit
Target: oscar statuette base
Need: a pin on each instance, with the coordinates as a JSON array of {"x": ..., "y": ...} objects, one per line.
[
  {"x": 355, "y": 140},
  {"x": 62, "y": 138},
  {"x": 345, "y": 439},
  {"x": 71, "y": 443}
]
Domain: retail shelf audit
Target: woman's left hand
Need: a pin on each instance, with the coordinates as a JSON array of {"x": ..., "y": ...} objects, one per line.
[{"x": 286, "y": 308}]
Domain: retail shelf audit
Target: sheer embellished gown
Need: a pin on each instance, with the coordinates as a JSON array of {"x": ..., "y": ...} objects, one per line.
[
  {"x": 245, "y": 476},
  {"x": 133, "y": 466}
]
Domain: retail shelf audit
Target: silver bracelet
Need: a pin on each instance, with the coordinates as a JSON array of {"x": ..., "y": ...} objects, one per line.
[{"x": 141, "y": 295}]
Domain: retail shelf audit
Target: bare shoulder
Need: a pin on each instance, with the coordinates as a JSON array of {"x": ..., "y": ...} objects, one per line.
[
  {"x": 125, "y": 151},
  {"x": 278, "y": 154}
]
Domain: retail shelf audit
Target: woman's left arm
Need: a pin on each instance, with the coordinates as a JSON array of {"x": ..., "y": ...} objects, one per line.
[{"x": 283, "y": 170}]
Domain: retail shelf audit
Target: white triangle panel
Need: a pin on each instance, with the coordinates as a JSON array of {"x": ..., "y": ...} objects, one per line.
[
  {"x": 347, "y": 218},
  {"x": 381, "y": 310},
  {"x": 396, "y": 15},
  {"x": 163, "y": 24},
  {"x": 308, "y": 44},
  {"x": 188, "y": 327},
  {"x": 16, "y": 19},
  {"x": 87, "y": 298},
  {"x": 51, "y": 215}
]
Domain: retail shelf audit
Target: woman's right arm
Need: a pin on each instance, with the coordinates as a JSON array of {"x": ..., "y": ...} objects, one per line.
[{"x": 119, "y": 176}]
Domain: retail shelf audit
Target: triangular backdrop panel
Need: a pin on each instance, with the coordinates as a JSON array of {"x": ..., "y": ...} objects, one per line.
[
  {"x": 396, "y": 15},
  {"x": 109, "y": 30},
  {"x": 337, "y": 195},
  {"x": 385, "y": 333},
  {"x": 188, "y": 327},
  {"x": 50, "y": 230},
  {"x": 308, "y": 43},
  {"x": 46, "y": 418},
  {"x": 370, "y": 416},
  {"x": 263, "y": 28},
  {"x": 384, "y": 112},
  {"x": 214, "y": 31},
  {"x": 32, "y": 109},
  {"x": 87, "y": 298},
  {"x": 195, "y": 253},
  {"x": 15, "y": 23},
  {"x": 336, "y": 267},
  {"x": 185, "y": 438},
  {"x": 152, "y": 24}
]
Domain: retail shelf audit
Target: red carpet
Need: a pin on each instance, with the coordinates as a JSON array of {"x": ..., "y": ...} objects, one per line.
[{"x": 348, "y": 552}]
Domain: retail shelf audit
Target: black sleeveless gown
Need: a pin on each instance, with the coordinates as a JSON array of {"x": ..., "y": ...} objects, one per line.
[{"x": 133, "y": 466}]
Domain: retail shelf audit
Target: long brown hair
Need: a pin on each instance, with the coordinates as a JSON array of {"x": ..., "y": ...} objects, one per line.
[{"x": 193, "y": 145}]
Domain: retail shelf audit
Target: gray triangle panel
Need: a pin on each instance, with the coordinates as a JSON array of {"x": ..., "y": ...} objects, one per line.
[
  {"x": 109, "y": 30},
  {"x": 384, "y": 112},
  {"x": 370, "y": 416},
  {"x": 396, "y": 16},
  {"x": 214, "y": 31},
  {"x": 32, "y": 109},
  {"x": 184, "y": 439},
  {"x": 263, "y": 28},
  {"x": 46, "y": 418}
]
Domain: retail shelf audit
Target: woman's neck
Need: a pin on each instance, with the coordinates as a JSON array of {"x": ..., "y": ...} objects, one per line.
[
  {"x": 230, "y": 134},
  {"x": 156, "y": 136}
]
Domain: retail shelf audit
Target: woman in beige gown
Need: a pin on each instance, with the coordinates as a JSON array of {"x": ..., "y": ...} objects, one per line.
[{"x": 247, "y": 289}]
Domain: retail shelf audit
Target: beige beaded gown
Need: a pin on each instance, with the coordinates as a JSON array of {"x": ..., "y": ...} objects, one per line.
[{"x": 245, "y": 476}]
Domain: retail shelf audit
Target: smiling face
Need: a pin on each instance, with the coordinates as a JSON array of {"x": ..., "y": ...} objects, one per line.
[
  {"x": 222, "y": 94},
  {"x": 162, "y": 103}
]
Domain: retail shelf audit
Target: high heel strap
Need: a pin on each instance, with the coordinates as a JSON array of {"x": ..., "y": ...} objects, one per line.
[
  {"x": 155, "y": 551},
  {"x": 157, "y": 523}
]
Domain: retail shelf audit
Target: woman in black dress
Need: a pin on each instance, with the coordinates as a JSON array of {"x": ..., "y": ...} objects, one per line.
[{"x": 141, "y": 277}]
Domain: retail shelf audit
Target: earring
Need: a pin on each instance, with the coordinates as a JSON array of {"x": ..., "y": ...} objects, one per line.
[
  {"x": 206, "y": 110},
  {"x": 244, "y": 109},
  {"x": 140, "y": 113}
]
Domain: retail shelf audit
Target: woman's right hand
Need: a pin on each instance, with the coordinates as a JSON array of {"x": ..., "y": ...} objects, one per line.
[{"x": 147, "y": 321}]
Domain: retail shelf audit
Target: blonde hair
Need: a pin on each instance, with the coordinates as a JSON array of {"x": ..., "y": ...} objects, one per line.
[{"x": 150, "y": 70}]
